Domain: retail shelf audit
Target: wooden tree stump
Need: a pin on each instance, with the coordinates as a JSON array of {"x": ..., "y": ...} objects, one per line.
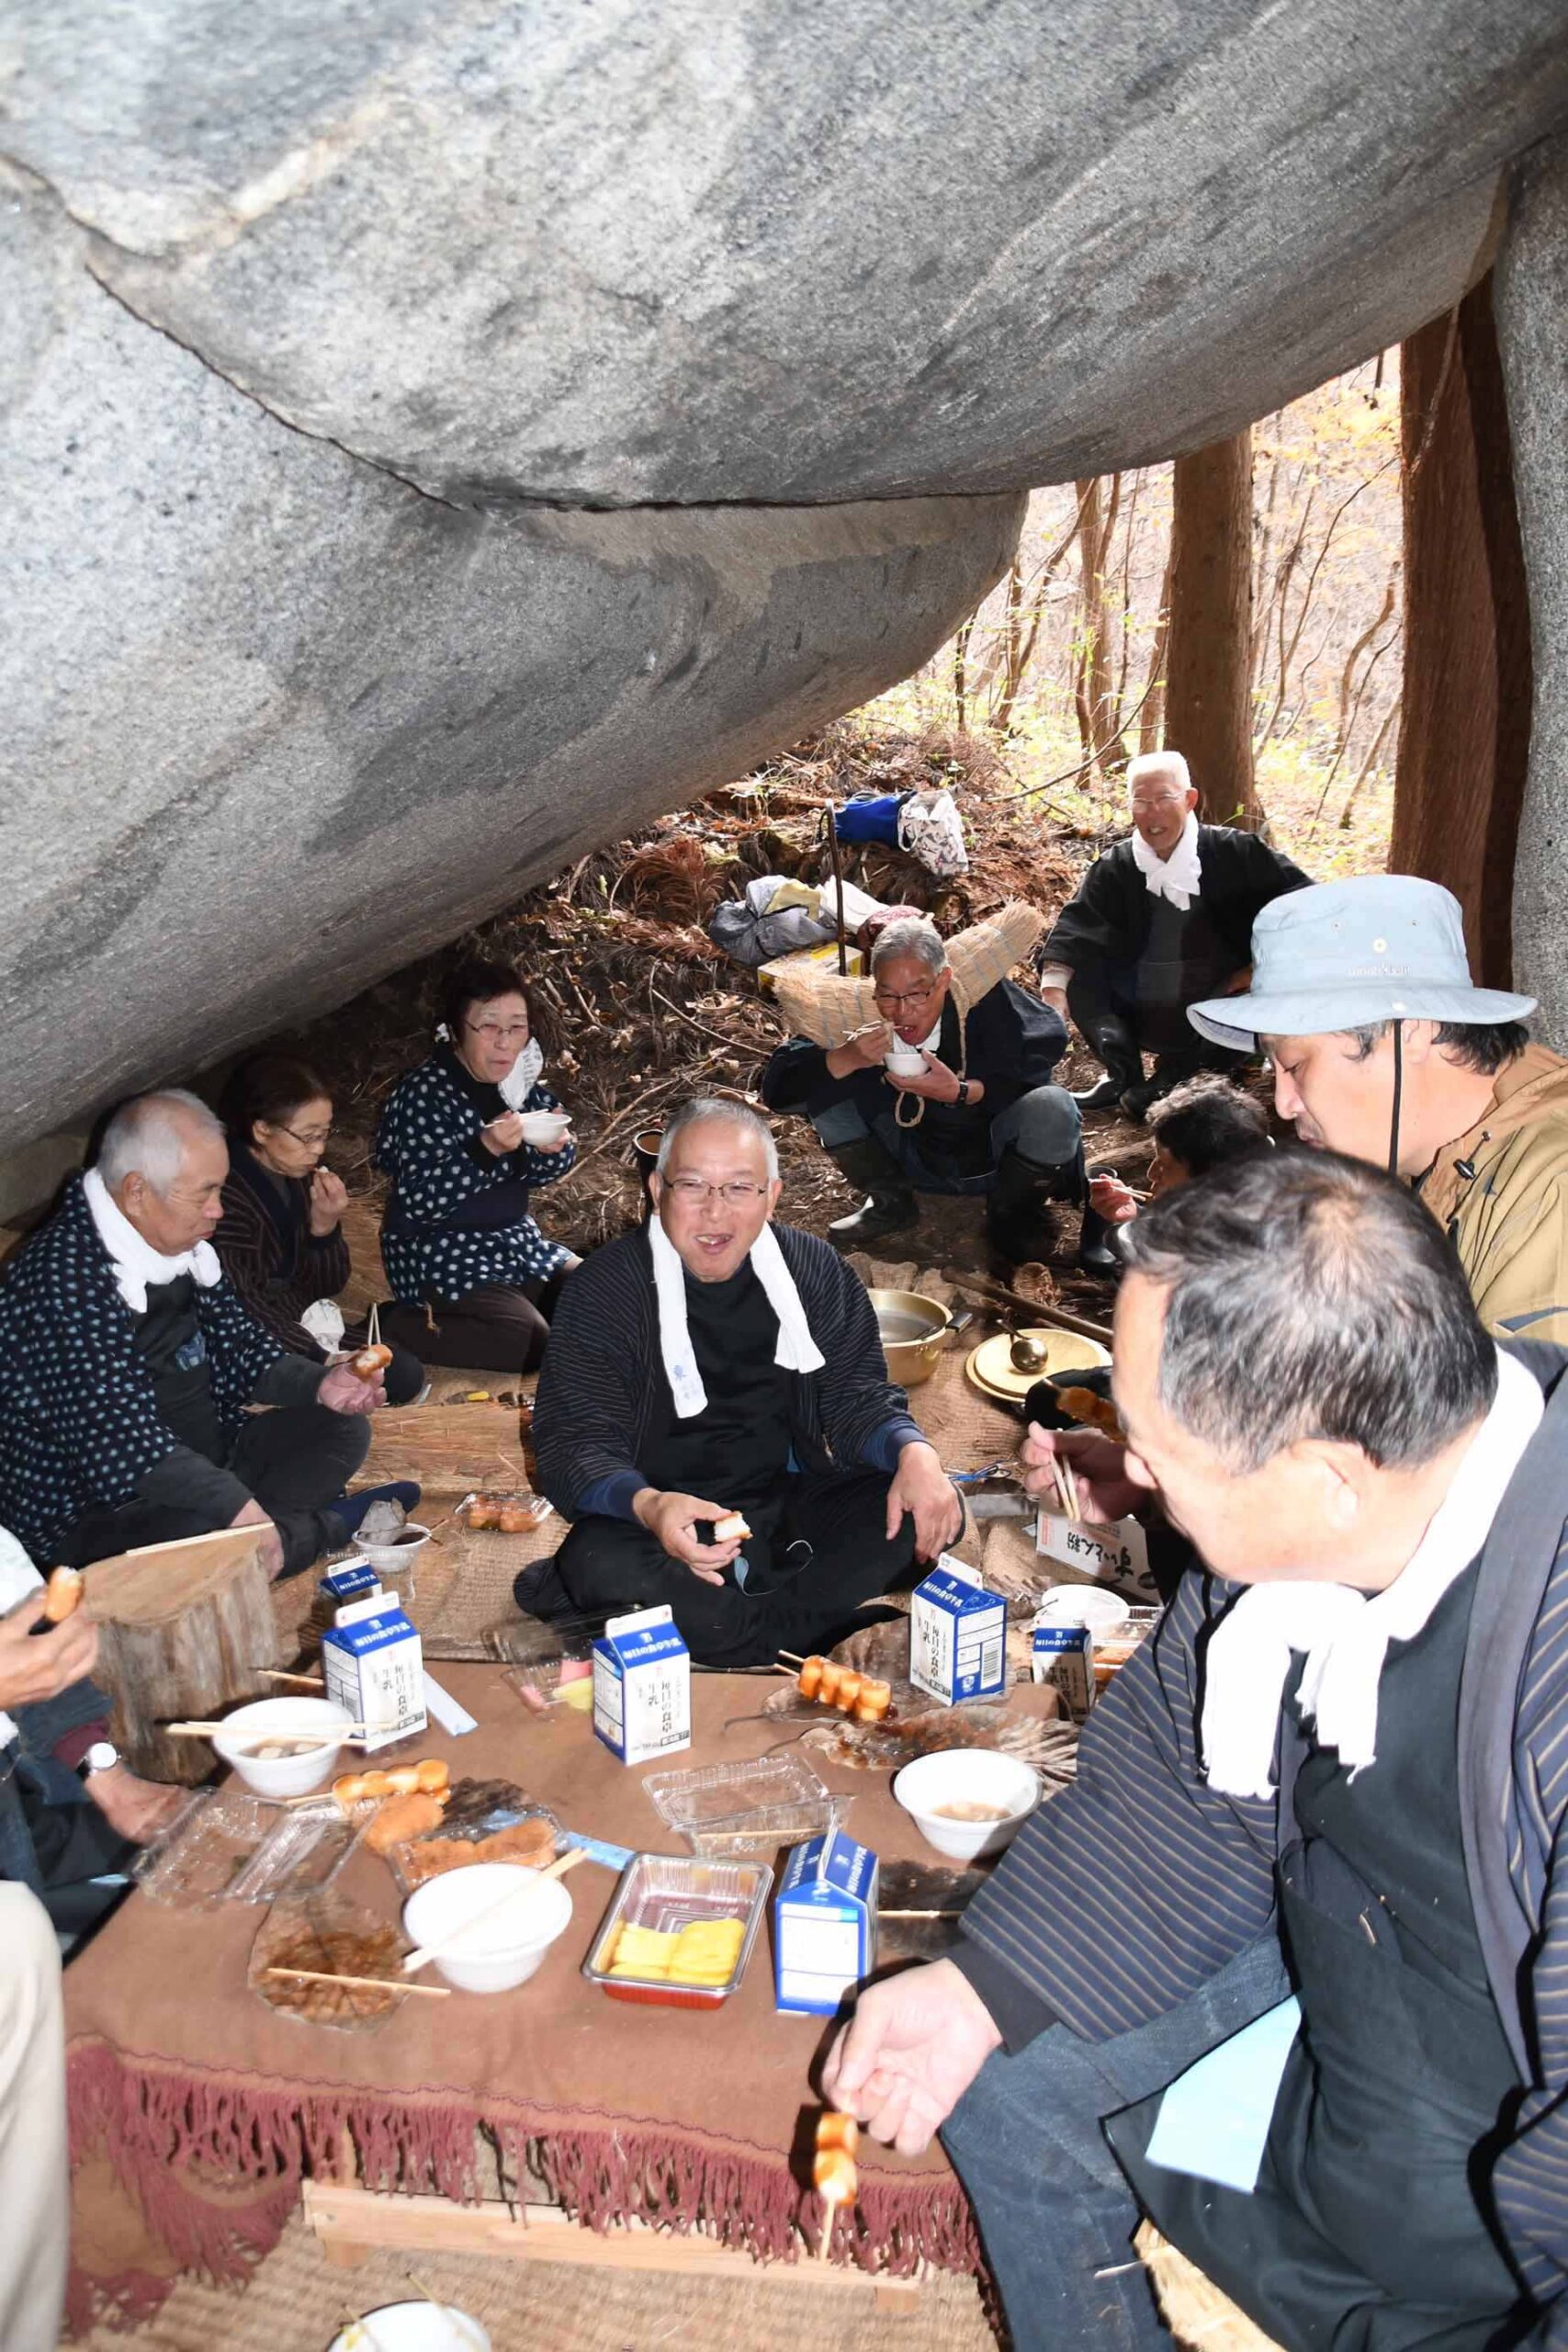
[{"x": 183, "y": 1629}]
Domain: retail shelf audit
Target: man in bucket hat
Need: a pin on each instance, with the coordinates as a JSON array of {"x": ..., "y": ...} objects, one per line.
[{"x": 1384, "y": 1049}]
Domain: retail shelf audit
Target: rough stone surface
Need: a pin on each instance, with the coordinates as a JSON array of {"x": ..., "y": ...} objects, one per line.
[
  {"x": 1532, "y": 333},
  {"x": 663, "y": 250},
  {"x": 276, "y": 722}
]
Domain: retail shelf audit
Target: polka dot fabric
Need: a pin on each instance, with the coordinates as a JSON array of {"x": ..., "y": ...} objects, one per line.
[
  {"x": 426, "y": 1143},
  {"x": 79, "y": 1420}
]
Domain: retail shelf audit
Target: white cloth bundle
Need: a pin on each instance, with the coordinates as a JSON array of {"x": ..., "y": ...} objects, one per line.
[
  {"x": 797, "y": 1350},
  {"x": 1346, "y": 1634},
  {"x": 136, "y": 1263},
  {"x": 1177, "y": 878}
]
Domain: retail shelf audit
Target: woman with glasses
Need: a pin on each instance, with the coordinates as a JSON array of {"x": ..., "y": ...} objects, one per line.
[
  {"x": 281, "y": 1236},
  {"x": 462, "y": 1140}
]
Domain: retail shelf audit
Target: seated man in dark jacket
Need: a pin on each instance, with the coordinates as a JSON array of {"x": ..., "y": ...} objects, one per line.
[
  {"x": 971, "y": 1110},
  {"x": 1163, "y": 919},
  {"x": 127, "y": 1362},
  {"x": 713, "y": 1362}
]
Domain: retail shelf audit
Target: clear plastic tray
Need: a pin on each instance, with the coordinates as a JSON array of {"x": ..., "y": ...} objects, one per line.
[
  {"x": 519, "y": 1501},
  {"x": 735, "y": 1810},
  {"x": 667, "y": 1892},
  {"x": 328, "y": 1933},
  {"x": 225, "y": 1846},
  {"x": 477, "y": 1813}
]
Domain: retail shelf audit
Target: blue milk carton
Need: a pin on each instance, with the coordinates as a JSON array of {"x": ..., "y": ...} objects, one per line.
[
  {"x": 373, "y": 1665},
  {"x": 824, "y": 1924},
  {"x": 350, "y": 1580},
  {"x": 642, "y": 1685},
  {"x": 957, "y": 1635}
]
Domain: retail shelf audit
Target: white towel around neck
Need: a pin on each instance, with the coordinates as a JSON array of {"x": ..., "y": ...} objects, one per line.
[
  {"x": 1344, "y": 1633},
  {"x": 136, "y": 1263},
  {"x": 1177, "y": 878},
  {"x": 797, "y": 1350}
]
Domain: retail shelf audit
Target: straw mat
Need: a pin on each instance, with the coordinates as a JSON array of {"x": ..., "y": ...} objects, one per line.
[
  {"x": 296, "y": 2302},
  {"x": 1197, "y": 2314}
]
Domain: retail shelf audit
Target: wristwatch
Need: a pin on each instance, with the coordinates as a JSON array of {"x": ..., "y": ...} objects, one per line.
[
  {"x": 102, "y": 1757},
  {"x": 962, "y": 1097}
]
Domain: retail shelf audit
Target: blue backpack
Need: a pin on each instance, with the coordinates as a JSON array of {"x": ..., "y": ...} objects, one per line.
[{"x": 870, "y": 817}]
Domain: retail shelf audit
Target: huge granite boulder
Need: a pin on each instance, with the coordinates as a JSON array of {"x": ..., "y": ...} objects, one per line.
[
  {"x": 439, "y": 435},
  {"x": 275, "y": 722},
  {"x": 658, "y": 250}
]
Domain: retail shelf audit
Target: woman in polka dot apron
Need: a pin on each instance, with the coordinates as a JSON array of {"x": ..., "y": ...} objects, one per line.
[{"x": 465, "y": 1140}]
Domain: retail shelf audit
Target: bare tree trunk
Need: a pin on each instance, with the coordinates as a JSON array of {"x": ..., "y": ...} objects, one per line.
[
  {"x": 1151, "y": 720},
  {"x": 1464, "y": 719},
  {"x": 1208, "y": 698},
  {"x": 1095, "y": 692}
]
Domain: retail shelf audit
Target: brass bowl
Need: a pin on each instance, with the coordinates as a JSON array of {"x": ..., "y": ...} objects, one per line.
[{"x": 914, "y": 1330}]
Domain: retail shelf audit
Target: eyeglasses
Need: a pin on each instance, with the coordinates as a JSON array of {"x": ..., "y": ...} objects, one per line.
[
  {"x": 737, "y": 1194},
  {"x": 904, "y": 996},
  {"x": 310, "y": 1137},
  {"x": 516, "y": 1030}
]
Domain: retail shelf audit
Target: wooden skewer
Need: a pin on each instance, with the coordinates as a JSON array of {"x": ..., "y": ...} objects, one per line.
[
  {"x": 919, "y": 1915},
  {"x": 276, "y": 1674},
  {"x": 322, "y": 1737},
  {"x": 558, "y": 1868},
  {"x": 364, "y": 2335},
  {"x": 792, "y": 1657},
  {"x": 829, "y": 2219},
  {"x": 433, "y": 2300},
  {"x": 371, "y": 1983}
]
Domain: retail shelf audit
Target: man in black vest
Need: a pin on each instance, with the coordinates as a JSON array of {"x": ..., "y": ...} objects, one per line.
[
  {"x": 1343, "y": 1747},
  {"x": 1162, "y": 919}
]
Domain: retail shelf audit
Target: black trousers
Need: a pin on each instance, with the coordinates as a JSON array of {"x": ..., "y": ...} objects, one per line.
[
  {"x": 296, "y": 1462},
  {"x": 818, "y": 1554},
  {"x": 496, "y": 1328},
  {"x": 1112, "y": 1024}
]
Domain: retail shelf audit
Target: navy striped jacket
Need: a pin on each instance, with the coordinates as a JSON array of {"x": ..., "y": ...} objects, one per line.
[
  {"x": 1128, "y": 1892},
  {"x": 604, "y": 1396}
]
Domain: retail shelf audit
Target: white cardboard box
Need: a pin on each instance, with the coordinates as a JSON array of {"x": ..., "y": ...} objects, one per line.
[
  {"x": 373, "y": 1665},
  {"x": 642, "y": 1685},
  {"x": 957, "y": 1635}
]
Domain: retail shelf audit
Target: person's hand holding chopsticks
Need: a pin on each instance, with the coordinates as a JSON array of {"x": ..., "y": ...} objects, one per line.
[{"x": 1099, "y": 1465}]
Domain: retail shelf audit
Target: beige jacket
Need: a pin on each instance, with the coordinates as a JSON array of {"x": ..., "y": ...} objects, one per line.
[{"x": 1509, "y": 1221}]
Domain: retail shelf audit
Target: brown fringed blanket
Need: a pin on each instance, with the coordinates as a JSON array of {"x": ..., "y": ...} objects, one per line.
[{"x": 196, "y": 2109}]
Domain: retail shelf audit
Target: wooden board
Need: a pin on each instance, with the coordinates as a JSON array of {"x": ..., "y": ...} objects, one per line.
[{"x": 351, "y": 2221}]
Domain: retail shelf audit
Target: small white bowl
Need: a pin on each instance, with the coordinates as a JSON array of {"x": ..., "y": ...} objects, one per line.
[
  {"x": 545, "y": 1127},
  {"x": 388, "y": 1559},
  {"x": 508, "y": 1948},
  {"x": 1083, "y": 1604},
  {"x": 414, "y": 2327},
  {"x": 908, "y": 1064},
  {"x": 282, "y": 1776},
  {"x": 968, "y": 1776}
]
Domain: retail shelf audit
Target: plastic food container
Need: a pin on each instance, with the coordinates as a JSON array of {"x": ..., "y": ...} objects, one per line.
[
  {"x": 968, "y": 1776},
  {"x": 498, "y": 1952},
  {"x": 323, "y": 1933},
  {"x": 667, "y": 1892},
  {"x": 481, "y": 1514},
  {"x": 477, "y": 1812},
  {"x": 225, "y": 1846},
  {"x": 283, "y": 1776},
  {"x": 413, "y": 2327},
  {"x": 738, "y": 1811}
]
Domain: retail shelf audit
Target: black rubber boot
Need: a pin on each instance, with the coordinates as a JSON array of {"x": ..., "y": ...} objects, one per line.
[
  {"x": 1104, "y": 1096},
  {"x": 892, "y": 1207},
  {"x": 1097, "y": 1253},
  {"x": 1015, "y": 1224}
]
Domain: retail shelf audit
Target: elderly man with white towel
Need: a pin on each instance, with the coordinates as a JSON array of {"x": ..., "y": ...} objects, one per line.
[
  {"x": 714, "y": 1363},
  {"x": 1339, "y": 1762}
]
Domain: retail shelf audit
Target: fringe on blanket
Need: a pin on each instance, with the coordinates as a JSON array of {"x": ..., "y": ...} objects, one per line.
[{"x": 189, "y": 2150}]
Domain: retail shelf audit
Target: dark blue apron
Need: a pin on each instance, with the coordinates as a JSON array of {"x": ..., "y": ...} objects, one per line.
[{"x": 1372, "y": 2227}]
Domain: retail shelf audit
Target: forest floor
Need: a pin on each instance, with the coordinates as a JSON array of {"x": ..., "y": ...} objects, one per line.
[{"x": 636, "y": 1009}]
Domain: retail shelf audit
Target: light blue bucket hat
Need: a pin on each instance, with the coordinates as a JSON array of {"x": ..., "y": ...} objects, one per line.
[{"x": 1343, "y": 955}]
